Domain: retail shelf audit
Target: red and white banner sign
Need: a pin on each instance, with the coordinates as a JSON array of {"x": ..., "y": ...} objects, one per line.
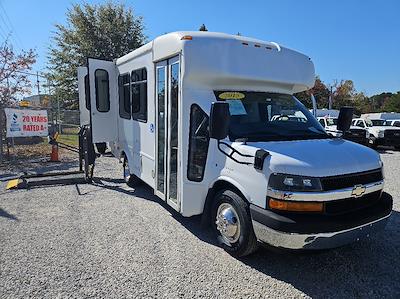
[{"x": 26, "y": 123}]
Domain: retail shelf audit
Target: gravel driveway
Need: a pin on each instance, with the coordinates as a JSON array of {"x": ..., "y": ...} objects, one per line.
[{"x": 107, "y": 240}]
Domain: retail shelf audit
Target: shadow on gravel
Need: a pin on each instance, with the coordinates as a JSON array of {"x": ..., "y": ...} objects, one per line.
[
  {"x": 49, "y": 167},
  {"x": 370, "y": 268},
  {"x": 5, "y": 214}
]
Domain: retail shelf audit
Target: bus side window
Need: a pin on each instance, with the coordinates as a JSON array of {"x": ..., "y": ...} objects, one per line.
[
  {"x": 139, "y": 94},
  {"x": 198, "y": 143},
  {"x": 124, "y": 96}
]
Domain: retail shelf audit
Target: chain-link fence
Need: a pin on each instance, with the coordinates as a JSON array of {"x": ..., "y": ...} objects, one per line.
[{"x": 65, "y": 122}]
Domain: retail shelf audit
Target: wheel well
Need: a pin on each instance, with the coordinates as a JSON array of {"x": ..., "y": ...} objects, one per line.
[{"x": 218, "y": 186}]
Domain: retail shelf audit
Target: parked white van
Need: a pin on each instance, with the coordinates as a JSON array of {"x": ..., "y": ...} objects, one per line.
[{"x": 209, "y": 121}]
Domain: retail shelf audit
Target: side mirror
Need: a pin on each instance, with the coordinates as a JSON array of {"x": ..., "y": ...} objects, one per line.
[
  {"x": 219, "y": 120},
  {"x": 345, "y": 118}
]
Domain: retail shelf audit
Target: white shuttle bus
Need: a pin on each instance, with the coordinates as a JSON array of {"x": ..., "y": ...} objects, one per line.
[{"x": 209, "y": 121}]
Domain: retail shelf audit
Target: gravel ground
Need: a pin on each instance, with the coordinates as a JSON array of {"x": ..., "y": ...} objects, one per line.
[{"x": 107, "y": 240}]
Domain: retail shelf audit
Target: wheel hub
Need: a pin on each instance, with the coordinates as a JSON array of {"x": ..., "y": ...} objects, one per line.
[{"x": 227, "y": 222}]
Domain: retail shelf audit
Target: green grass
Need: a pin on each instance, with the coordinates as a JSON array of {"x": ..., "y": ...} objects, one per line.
[{"x": 70, "y": 139}]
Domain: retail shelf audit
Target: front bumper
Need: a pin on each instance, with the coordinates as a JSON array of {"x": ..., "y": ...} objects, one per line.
[{"x": 300, "y": 231}]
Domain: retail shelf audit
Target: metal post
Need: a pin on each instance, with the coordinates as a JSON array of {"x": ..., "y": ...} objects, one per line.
[
  {"x": 59, "y": 114},
  {"x": 38, "y": 85},
  {"x": 1, "y": 135},
  {"x": 330, "y": 100},
  {"x": 13, "y": 148}
]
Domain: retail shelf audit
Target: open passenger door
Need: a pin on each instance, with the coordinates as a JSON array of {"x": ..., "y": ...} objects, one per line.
[
  {"x": 103, "y": 99},
  {"x": 84, "y": 99}
]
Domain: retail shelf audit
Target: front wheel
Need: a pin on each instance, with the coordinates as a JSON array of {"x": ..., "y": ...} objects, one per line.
[
  {"x": 232, "y": 224},
  {"x": 130, "y": 179}
]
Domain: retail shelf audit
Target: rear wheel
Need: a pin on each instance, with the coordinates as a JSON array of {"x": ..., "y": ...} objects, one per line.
[
  {"x": 130, "y": 179},
  {"x": 101, "y": 147},
  {"x": 232, "y": 224}
]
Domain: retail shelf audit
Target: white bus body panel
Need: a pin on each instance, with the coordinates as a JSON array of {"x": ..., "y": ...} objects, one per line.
[
  {"x": 136, "y": 138},
  {"x": 84, "y": 113}
]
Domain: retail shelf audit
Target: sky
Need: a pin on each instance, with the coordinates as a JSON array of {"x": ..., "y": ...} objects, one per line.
[{"x": 354, "y": 39}]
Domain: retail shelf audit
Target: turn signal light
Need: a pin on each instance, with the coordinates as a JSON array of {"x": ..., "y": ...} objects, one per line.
[{"x": 295, "y": 206}]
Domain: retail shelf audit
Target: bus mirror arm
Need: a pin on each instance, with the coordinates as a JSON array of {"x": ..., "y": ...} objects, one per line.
[
  {"x": 233, "y": 151},
  {"x": 259, "y": 157}
]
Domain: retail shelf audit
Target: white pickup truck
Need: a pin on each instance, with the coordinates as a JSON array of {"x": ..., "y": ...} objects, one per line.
[
  {"x": 380, "y": 134},
  {"x": 355, "y": 134}
]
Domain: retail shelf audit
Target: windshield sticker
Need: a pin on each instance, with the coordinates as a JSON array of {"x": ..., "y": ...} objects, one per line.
[
  {"x": 236, "y": 107},
  {"x": 231, "y": 95}
]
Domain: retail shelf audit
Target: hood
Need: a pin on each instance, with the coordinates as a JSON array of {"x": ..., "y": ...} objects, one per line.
[
  {"x": 322, "y": 157},
  {"x": 334, "y": 128},
  {"x": 384, "y": 128}
]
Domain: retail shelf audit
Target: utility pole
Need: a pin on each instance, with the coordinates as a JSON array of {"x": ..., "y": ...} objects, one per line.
[
  {"x": 38, "y": 84},
  {"x": 330, "y": 99}
]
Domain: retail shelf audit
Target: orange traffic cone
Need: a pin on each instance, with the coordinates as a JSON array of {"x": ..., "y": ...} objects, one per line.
[{"x": 54, "y": 153}]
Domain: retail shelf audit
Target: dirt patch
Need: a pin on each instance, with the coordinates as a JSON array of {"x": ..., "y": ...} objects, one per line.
[{"x": 24, "y": 157}]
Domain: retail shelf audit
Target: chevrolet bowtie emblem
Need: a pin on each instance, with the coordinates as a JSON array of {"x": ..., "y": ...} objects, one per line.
[{"x": 358, "y": 190}]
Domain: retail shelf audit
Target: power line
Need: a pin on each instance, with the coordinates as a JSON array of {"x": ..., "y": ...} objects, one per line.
[{"x": 11, "y": 26}]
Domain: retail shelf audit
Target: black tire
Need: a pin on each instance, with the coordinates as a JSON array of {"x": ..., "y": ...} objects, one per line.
[
  {"x": 397, "y": 148},
  {"x": 130, "y": 179},
  {"x": 245, "y": 242},
  {"x": 101, "y": 148}
]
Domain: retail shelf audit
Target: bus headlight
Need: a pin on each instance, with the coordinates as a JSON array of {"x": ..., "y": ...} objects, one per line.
[{"x": 287, "y": 182}]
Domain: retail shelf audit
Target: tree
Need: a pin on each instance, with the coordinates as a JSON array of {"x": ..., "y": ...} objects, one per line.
[
  {"x": 13, "y": 78},
  {"x": 203, "y": 28},
  {"x": 379, "y": 100},
  {"x": 343, "y": 94},
  {"x": 320, "y": 92},
  {"x": 105, "y": 31},
  {"x": 361, "y": 104},
  {"x": 392, "y": 104}
]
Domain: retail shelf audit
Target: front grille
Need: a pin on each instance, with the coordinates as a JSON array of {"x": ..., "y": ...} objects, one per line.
[
  {"x": 350, "y": 180},
  {"x": 358, "y": 132},
  {"x": 392, "y": 137},
  {"x": 392, "y": 134},
  {"x": 356, "y": 135},
  {"x": 351, "y": 204}
]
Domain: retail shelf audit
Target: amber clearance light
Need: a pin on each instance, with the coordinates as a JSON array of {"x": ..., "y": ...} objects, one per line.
[
  {"x": 186, "y": 37},
  {"x": 295, "y": 206}
]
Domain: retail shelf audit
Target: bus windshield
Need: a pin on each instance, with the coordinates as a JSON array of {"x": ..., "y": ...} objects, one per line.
[{"x": 262, "y": 116}]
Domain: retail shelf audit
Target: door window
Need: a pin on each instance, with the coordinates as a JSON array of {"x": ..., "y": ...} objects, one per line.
[
  {"x": 322, "y": 122},
  {"x": 124, "y": 96},
  {"x": 87, "y": 93},
  {"x": 161, "y": 128},
  {"x": 198, "y": 143},
  {"x": 102, "y": 90},
  {"x": 173, "y": 159}
]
